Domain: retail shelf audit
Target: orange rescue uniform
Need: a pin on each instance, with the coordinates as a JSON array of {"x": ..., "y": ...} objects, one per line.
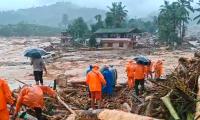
[
  {"x": 5, "y": 97},
  {"x": 140, "y": 72},
  {"x": 158, "y": 69},
  {"x": 32, "y": 96},
  {"x": 95, "y": 81},
  {"x": 130, "y": 74}
]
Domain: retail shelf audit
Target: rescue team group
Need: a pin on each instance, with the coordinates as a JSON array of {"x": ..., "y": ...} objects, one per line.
[
  {"x": 104, "y": 80},
  {"x": 98, "y": 80}
]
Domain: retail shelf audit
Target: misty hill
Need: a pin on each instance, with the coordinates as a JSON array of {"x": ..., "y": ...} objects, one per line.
[{"x": 49, "y": 15}]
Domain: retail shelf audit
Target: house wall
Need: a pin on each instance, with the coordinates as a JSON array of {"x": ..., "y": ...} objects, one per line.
[{"x": 116, "y": 45}]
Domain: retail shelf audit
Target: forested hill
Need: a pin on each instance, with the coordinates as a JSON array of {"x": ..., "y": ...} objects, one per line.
[{"x": 49, "y": 15}]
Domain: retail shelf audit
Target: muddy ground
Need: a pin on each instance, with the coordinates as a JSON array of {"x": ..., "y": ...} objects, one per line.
[{"x": 13, "y": 65}]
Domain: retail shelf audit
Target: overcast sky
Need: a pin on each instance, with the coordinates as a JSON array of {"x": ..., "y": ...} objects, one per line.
[{"x": 135, "y": 7}]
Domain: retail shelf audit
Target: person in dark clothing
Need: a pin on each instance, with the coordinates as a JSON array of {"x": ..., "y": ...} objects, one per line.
[
  {"x": 38, "y": 67},
  {"x": 114, "y": 74}
]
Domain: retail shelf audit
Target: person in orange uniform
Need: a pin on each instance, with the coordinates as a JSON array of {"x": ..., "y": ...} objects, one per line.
[
  {"x": 32, "y": 97},
  {"x": 150, "y": 70},
  {"x": 130, "y": 74},
  {"x": 5, "y": 98},
  {"x": 140, "y": 73},
  {"x": 158, "y": 68},
  {"x": 95, "y": 81}
]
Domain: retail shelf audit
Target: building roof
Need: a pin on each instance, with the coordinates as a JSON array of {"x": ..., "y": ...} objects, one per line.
[{"x": 117, "y": 30}]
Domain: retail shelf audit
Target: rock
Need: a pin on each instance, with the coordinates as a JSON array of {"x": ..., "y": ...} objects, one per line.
[
  {"x": 126, "y": 107},
  {"x": 197, "y": 54}
]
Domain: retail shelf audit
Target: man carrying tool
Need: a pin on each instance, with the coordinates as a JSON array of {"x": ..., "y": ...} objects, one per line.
[
  {"x": 5, "y": 98},
  {"x": 95, "y": 81},
  {"x": 32, "y": 97}
]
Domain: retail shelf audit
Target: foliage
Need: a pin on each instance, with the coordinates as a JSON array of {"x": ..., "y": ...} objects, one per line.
[
  {"x": 92, "y": 41},
  {"x": 172, "y": 19},
  {"x": 99, "y": 24},
  {"x": 23, "y": 29},
  {"x": 198, "y": 16},
  {"x": 65, "y": 20},
  {"x": 78, "y": 28},
  {"x": 116, "y": 15},
  {"x": 146, "y": 26}
]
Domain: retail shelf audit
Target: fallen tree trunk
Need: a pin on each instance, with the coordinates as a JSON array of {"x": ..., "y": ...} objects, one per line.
[
  {"x": 166, "y": 100},
  {"x": 63, "y": 103},
  {"x": 120, "y": 115}
]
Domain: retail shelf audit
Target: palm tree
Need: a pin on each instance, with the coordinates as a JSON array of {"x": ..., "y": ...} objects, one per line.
[
  {"x": 198, "y": 16},
  {"x": 184, "y": 11},
  {"x": 118, "y": 13}
]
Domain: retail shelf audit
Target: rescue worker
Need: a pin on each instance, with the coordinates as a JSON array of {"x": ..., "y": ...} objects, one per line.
[
  {"x": 38, "y": 67},
  {"x": 88, "y": 70},
  {"x": 114, "y": 75},
  {"x": 130, "y": 74},
  {"x": 32, "y": 97},
  {"x": 108, "y": 88},
  {"x": 158, "y": 68},
  {"x": 5, "y": 98},
  {"x": 95, "y": 81},
  {"x": 139, "y": 74},
  {"x": 150, "y": 70}
]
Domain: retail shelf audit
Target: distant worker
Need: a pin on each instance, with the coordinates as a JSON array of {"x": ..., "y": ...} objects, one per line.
[
  {"x": 158, "y": 68},
  {"x": 114, "y": 74},
  {"x": 139, "y": 74},
  {"x": 32, "y": 97},
  {"x": 88, "y": 70},
  {"x": 5, "y": 98},
  {"x": 150, "y": 70},
  {"x": 95, "y": 81},
  {"x": 38, "y": 67},
  {"x": 108, "y": 88},
  {"x": 130, "y": 74}
]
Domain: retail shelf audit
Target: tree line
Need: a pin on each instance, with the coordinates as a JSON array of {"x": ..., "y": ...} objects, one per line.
[
  {"x": 173, "y": 19},
  {"x": 23, "y": 29},
  {"x": 116, "y": 17}
]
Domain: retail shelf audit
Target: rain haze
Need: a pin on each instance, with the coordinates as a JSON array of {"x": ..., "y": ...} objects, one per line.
[{"x": 136, "y": 8}]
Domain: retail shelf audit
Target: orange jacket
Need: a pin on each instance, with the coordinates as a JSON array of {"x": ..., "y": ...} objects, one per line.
[
  {"x": 130, "y": 69},
  {"x": 32, "y": 96},
  {"x": 140, "y": 71},
  {"x": 95, "y": 80},
  {"x": 5, "y": 95},
  {"x": 158, "y": 69},
  {"x": 150, "y": 68}
]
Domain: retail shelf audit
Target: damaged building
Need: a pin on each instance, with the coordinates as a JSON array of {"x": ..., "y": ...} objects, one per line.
[{"x": 117, "y": 38}]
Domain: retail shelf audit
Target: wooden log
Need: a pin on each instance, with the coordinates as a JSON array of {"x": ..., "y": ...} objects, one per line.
[
  {"x": 166, "y": 100},
  {"x": 66, "y": 106},
  {"x": 120, "y": 115},
  {"x": 197, "y": 114}
]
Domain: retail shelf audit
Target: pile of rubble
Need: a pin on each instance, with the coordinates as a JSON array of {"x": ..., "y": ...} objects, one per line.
[{"x": 172, "y": 98}]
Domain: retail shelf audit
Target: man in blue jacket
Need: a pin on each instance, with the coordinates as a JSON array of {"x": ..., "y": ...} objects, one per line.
[{"x": 108, "y": 89}]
